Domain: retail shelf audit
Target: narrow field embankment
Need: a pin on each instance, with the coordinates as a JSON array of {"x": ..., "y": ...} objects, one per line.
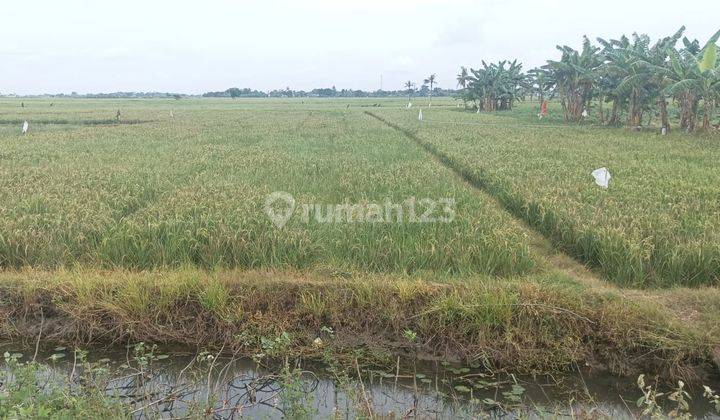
[{"x": 528, "y": 324}]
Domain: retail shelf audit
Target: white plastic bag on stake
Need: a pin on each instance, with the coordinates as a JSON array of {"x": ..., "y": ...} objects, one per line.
[
  {"x": 602, "y": 177},
  {"x": 420, "y": 117}
]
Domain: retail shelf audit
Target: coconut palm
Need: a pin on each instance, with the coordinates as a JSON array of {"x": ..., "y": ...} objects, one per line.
[
  {"x": 431, "y": 82},
  {"x": 410, "y": 86},
  {"x": 462, "y": 79}
]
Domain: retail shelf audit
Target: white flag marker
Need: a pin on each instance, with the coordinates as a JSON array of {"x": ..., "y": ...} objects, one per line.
[
  {"x": 25, "y": 127},
  {"x": 602, "y": 177},
  {"x": 420, "y": 118}
]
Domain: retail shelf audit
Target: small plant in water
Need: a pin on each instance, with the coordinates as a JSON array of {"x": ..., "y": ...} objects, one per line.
[
  {"x": 649, "y": 400},
  {"x": 712, "y": 397},
  {"x": 22, "y": 395},
  {"x": 680, "y": 397}
]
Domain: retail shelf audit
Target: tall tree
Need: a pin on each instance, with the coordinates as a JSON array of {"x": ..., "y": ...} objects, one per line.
[
  {"x": 431, "y": 82},
  {"x": 410, "y": 86},
  {"x": 695, "y": 77},
  {"x": 497, "y": 86},
  {"x": 575, "y": 74},
  {"x": 462, "y": 79},
  {"x": 709, "y": 79}
]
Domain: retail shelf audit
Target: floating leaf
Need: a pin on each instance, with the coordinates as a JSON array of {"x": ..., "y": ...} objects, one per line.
[
  {"x": 511, "y": 397},
  {"x": 462, "y": 388},
  {"x": 481, "y": 385}
]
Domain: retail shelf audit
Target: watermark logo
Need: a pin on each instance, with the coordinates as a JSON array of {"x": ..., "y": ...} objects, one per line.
[{"x": 281, "y": 207}]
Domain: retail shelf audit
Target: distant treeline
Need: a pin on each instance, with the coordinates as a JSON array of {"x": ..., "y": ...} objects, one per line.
[
  {"x": 234, "y": 92},
  {"x": 321, "y": 93},
  {"x": 114, "y": 95}
]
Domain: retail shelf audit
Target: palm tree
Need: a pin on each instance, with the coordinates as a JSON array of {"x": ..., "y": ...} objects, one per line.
[
  {"x": 463, "y": 78},
  {"x": 430, "y": 81},
  {"x": 410, "y": 86}
]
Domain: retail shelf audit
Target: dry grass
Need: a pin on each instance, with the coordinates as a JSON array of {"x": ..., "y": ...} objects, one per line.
[{"x": 544, "y": 323}]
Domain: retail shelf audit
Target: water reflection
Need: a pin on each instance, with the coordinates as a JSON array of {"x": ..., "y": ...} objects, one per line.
[{"x": 182, "y": 384}]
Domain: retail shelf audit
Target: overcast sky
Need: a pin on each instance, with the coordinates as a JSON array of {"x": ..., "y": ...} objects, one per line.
[{"x": 53, "y": 46}]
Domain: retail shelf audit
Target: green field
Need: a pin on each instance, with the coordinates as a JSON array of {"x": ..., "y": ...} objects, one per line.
[
  {"x": 658, "y": 225},
  {"x": 190, "y": 191},
  {"x": 116, "y": 226}
]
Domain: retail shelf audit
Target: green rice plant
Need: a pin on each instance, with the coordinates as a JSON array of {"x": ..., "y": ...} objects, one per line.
[
  {"x": 656, "y": 226},
  {"x": 190, "y": 191}
]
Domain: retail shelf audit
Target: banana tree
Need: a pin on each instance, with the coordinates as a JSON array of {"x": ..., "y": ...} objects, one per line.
[
  {"x": 709, "y": 79},
  {"x": 540, "y": 83},
  {"x": 657, "y": 63},
  {"x": 497, "y": 86},
  {"x": 575, "y": 75},
  {"x": 695, "y": 77}
]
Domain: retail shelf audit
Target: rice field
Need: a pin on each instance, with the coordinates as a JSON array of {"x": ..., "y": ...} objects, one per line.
[
  {"x": 657, "y": 225},
  {"x": 157, "y": 227},
  {"x": 189, "y": 190}
]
